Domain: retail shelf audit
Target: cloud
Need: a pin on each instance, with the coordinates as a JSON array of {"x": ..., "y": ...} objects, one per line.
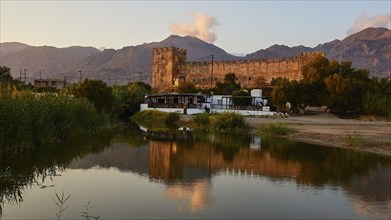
[
  {"x": 363, "y": 21},
  {"x": 202, "y": 28}
]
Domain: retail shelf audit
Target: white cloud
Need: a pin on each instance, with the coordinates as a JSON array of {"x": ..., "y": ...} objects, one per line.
[
  {"x": 363, "y": 21},
  {"x": 202, "y": 28}
]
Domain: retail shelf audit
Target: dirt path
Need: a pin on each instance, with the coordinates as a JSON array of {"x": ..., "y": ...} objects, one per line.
[{"x": 327, "y": 129}]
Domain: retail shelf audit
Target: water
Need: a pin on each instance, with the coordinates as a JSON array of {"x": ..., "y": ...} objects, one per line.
[{"x": 187, "y": 175}]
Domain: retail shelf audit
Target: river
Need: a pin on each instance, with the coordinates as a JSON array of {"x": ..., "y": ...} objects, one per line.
[{"x": 149, "y": 175}]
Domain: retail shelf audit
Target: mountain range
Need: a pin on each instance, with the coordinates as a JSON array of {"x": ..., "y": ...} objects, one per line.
[{"x": 369, "y": 49}]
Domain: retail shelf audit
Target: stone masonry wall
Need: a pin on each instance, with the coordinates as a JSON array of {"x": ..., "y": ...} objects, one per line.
[{"x": 250, "y": 73}]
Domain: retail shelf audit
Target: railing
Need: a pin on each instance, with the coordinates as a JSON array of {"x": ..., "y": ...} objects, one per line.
[{"x": 172, "y": 105}]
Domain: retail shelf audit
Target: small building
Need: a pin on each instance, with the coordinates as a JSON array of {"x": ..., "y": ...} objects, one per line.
[
  {"x": 195, "y": 103},
  {"x": 49, "y": 83}
]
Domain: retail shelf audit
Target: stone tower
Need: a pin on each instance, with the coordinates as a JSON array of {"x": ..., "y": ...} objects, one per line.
[{"x": 168, "y": 67}]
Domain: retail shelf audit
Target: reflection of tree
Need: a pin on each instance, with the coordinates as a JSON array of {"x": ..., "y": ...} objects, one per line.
[{"x": 18, "y": 171}]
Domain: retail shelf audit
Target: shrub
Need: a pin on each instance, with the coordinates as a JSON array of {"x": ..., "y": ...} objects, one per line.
[
  {"x": 276, "y": 129},
  {"x": 155, "y": 120},
  {"x": 354, "y": 140},
  {"x": 229, "y": 123},
  {"x": 201, "y": 121}
]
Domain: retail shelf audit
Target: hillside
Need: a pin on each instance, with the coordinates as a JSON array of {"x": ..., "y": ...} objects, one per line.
[
  {"x": 50, "y": 60},
  {"x": 368, "y": 49},
  {"x": 135, "y": 62}
]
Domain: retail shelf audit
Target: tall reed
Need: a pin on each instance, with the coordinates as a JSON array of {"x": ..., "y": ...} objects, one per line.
[{"x": 28, "y": 119}]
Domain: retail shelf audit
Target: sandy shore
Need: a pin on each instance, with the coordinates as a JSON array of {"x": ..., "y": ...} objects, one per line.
[{"x": 327, "y": 129}]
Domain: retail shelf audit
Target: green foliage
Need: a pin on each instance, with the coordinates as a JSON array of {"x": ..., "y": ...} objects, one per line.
[
  {"x": 338, "y": 85},
  {"x": 228, "y": 86},
  {"x": 355, "y": 140},
  {"x": 186, "y": 87},
  {"x": 155, "y": 120},
  {"x": 229, "y": 123},
  {"x": 377, "y": 100},
  {"x": 172, "y": 118},
  {"x": 28, "y": 119},
  {"x": 201, "y": 121},
  {"x": 5, "y": 75},
  {"x": 299, "y": 93},
  {"x": 276, "y": 129},
  {"x": 128, "y": 98},
  {"x": 96, "y": 91}
]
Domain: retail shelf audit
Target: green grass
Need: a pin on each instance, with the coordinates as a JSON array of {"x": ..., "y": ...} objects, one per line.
[
  {"x": 276, "y": 129},
  {"x": 201, "y": 121},
  {"x": 354, "y": 140},
  {"x": 224, "y": 123},
  {"x": 155, "y": 120}
]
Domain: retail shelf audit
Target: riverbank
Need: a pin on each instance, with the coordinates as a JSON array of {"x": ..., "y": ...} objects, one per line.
[{"x": 327, "y": 129}]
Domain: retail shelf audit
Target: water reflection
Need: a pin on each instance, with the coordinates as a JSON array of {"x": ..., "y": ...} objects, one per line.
[{"x": 186, "y": 164}]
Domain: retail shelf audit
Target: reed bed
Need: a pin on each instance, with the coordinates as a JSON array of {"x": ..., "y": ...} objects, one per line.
[{"x": 28, "y": 119}]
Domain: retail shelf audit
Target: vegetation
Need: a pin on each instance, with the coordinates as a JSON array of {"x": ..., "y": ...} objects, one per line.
[
  {"x": 354, "y": 140},
  {"x": 228, "y": 86},
  {"x": 201, "y": 121},
  {"x": 128, "y": 98},
  {"x": 28, "y": 119},
  {"x": 346, "y": 91},
  {"x": 224, "y": 123},
  {"x": 276, "y": 129},
  {"x": 156, "y": 120}
]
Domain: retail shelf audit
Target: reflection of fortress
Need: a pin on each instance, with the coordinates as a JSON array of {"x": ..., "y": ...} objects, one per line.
[
  {"x": 169, "y": 162},
  {"x": 170, "y": 67}
]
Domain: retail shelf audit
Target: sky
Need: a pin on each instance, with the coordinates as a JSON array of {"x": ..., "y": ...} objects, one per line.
[{"x": 239, "y": 27}]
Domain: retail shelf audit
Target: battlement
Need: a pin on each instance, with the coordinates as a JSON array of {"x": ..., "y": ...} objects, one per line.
[
  {"x": 167, "y": 49},
  {"x": 170, "y": 65}
]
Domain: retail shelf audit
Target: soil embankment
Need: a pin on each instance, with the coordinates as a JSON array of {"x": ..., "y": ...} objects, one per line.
[{"x": 328, "y": 129}]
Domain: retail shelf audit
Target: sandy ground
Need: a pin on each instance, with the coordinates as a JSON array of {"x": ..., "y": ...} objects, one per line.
[{"x": 327, "y": 129}]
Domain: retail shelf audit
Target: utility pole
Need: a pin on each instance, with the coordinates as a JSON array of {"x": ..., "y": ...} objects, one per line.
[
  {"x": 40, "y": 78},
  {"x": 20, "y": 76},
  {"x": 81, "y": 78},
  {"x": 211, "y": 77},
  {"x": 25, "y": 70}
]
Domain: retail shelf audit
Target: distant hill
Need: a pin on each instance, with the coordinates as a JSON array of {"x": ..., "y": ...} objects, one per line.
[
  {"x": 369, "y": 49},
  {"x": 51, "y": 60},
  {"x": 135, "y": 62}
]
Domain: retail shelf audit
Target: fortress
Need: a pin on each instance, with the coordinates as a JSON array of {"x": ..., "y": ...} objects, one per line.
[{"x": 170, "y": 68}]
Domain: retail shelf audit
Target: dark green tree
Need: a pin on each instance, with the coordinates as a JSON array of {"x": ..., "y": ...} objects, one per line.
[
  {"x": 5, "y": 75},
  {"x": 228, "y": 86},
  {"x": 97, "y": 92}
]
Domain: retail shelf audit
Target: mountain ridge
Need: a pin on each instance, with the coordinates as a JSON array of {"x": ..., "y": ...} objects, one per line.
[{"x": 368, "y": 49}]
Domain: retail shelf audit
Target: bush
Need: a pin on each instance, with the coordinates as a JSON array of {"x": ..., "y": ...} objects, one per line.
[
  {"x": 155, "y": 120},
  {"x": 201, "y": 121},
  {"x": 229, "y": 123},
  {"x": 276, "y": 129}
]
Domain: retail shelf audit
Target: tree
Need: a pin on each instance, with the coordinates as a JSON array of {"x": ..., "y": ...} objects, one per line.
[
  {"x": 228, "y": 86},
  {"x": 5, "y": 75},
  {"x": 97, "y": 92},
  {"x": 186, "y": 87},
  {"x": 128, "y": 98}
]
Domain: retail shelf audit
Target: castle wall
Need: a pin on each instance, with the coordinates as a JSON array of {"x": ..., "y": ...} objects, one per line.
[
  {"x": 250, "y": 73},
  {"x": 169, "y": 64}
]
